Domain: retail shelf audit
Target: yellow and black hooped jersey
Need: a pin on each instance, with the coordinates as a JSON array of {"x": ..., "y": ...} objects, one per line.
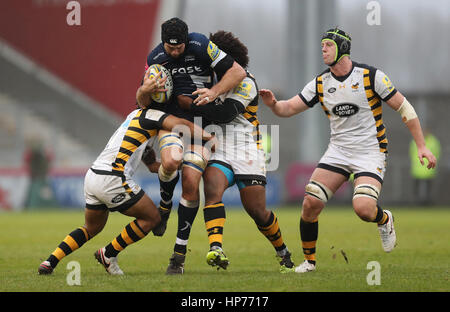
[
  {"x": 246, "y": 93},
  {"x": 353, "y": 104},
  {"x": 123, "y": 152}
]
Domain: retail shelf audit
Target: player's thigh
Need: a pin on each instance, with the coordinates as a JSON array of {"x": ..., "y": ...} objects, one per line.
[
  {"x": 215, "y": 183},
  {"x": 330, "y": 182}
]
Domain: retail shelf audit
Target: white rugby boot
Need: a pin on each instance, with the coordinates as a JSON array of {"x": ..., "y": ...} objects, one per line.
[
  {"x": 387, "y": 233},
  {"x": 305, "y": 267},
  {"x": 110, "y": 264}
]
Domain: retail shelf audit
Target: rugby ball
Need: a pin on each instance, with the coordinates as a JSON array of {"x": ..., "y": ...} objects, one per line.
[{"x": 161, "y": 97}]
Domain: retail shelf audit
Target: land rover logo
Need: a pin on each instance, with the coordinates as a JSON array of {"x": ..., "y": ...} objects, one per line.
[
  {"x": 118, "y": 198},
  {"x": 345, "y": 109}
]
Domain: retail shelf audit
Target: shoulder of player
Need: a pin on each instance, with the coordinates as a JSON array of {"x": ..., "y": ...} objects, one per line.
[
  {"x": 157, "y": 55},
  {"x": 362, "y": 67},
  {"x": 197, "y": 41},
  {"x": 325, "y": 74}
]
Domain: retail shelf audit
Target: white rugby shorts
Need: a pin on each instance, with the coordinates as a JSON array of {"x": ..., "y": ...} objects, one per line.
[
  {"x": 346, "y": 162},
  {"x": 242, "y": 155},
  {"x": 113, "y": 192}
]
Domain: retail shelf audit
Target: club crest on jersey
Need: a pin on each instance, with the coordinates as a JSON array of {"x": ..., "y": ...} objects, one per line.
[
  {"x": 345, "y": 109},
  {"x": 213, "y": 50}
]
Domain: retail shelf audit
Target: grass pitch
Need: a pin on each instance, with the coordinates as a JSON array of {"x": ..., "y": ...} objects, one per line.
[{"x": 419, "y": 263}]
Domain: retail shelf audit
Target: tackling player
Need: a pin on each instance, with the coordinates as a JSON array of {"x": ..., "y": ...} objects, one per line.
[
  {"x": 192, "y": 60},
  {"x": 351, "y": 96},
  {"x": 238, "y": 159},
  {"x": 109, "y": 186}
]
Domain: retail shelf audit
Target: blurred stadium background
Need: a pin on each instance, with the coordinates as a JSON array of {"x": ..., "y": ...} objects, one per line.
[{"x": 64, "y": 89}]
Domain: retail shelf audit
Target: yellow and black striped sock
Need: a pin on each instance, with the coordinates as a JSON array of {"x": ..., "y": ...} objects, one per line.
[
  {"x": 214, "y": 221},
  {"x": 271, "y": 230},
  {"x": 72, "y": 242},
  {"x": 129, "y": 235},
  {"x": 381, "y": 217},
  {"x": 309, "y": 232}
]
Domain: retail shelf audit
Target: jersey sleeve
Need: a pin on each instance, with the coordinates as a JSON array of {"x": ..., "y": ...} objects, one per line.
[
  {"x": 383, "y": 86},
  {"x": 152, "y": 119},
  {"x": 210, "y": 53},
  {"x": 309, "y": 94},
  {"x": 244, "y": 93}
]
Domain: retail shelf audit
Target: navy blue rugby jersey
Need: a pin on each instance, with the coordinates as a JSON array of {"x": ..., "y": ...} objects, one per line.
[{"x": 192, "y": 70}]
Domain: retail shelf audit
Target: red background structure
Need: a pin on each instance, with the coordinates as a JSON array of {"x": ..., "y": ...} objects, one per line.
[{"x": 104, "y": 57}]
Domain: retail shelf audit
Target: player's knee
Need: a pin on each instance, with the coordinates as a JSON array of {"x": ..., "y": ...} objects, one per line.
[
  {"x": 365, "y": 209},
  {"x": 170, "y": 164},
  {"x": 365, "y": 197},
  {"x": 311, "y": 208}
]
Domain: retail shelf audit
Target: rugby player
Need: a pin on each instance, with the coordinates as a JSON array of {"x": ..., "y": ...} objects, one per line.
[
  {"x": 239, "y": 159},
  {"x": 109, "y": 186},
  {"x": 194, "y": 62},
  {"x": 351, "y": 96}
]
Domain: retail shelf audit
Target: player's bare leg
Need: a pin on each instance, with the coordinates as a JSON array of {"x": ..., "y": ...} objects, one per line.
[
  {"x": 323, "y": 184},
  {"x": 253, "y": 198},
  {"x": 365, "y": 197},
  {"x": 215, "y": 184},
  {"x": 95, "y": 221}
]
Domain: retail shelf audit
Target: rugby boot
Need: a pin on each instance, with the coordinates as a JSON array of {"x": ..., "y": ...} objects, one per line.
[
  {"x": 45, "y": 268},
  {"x": 305, "y": 267},
  {"x": 387, "y": 233},
  {"x": 216, "y": 257},
  {"x": 286, "y": 264},
  {"x": 176, "y": 264},
  {"x": 110, "y": 264}
]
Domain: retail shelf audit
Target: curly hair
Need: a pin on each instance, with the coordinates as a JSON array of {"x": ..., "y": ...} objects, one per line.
[{"x": 231, "y": 45}]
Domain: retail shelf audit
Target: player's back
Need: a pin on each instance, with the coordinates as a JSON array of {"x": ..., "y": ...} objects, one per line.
[{"x": 122, "y": 154}]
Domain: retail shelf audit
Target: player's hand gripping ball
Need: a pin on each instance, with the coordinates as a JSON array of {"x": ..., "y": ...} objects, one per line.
[{"x": 162, "y": 96}]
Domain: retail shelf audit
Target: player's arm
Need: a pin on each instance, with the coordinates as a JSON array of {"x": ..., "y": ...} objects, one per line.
[
  {"x": 230, "y": 79},
  {"x": 284, "y": 108},
  {"x": 228, "y": 71},
  {"x": 400, "y": 104},
  {"x": 171, "y": 122}
]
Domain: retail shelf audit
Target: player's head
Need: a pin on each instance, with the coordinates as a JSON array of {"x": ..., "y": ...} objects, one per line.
[
  {"x": 232, "y": 46},
  {"x": 174, "y": 35},
  {"x": 336, "y": 44}
]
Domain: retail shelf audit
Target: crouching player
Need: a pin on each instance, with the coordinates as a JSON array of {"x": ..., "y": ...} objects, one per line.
[{"x": 108, "y": 187}]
